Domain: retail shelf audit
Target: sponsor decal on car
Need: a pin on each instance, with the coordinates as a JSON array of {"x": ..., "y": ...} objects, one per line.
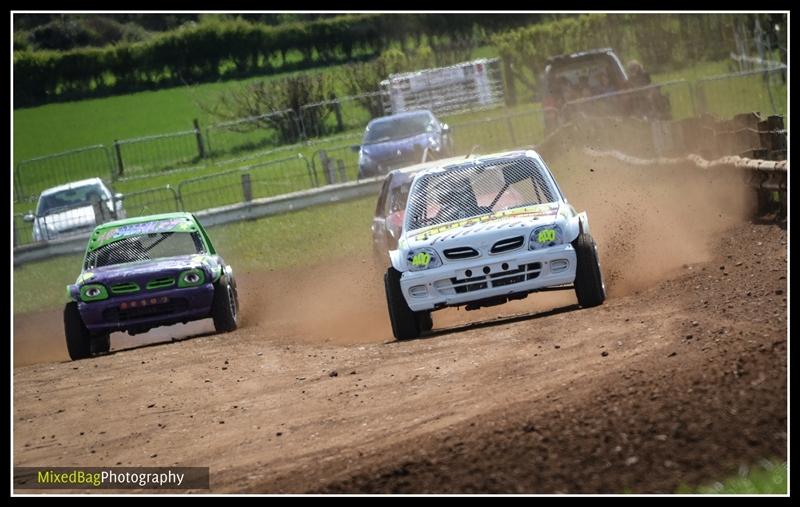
[
  {"x": 540, "y": 210},
  {"x": 124, "y": 231}
]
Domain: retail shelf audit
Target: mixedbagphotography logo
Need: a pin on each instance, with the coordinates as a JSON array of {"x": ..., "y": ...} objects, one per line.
[{"x": 111, "y": 478}]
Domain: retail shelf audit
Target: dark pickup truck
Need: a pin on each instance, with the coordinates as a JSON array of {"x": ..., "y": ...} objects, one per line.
[{"x": 595, "y": 83}]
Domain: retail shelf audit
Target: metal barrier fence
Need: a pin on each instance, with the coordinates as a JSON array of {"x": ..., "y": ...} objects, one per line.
[
  {"x": 443, "y": 90},
  {"x": 498, "y": 133},
  {"x": 65, "y": 221},
  {"x": 337, "y": 164},
  {"x": 37, "y": 174},
  {"x": 151, "y": 201},
  {"x": 756, "y": 90},
  {"x": 151, "y": 154},
  {"x": 247, "y": 183},
  {"x": 272, "y": 129},
  {"x": 23, "y": 231},
  {"x": 341, "y": 114},
  {"x": 661, "y": 101},
  {"x": 760, "y": 90}
]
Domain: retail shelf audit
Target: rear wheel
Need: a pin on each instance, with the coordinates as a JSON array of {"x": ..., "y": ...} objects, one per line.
[
  {"x": 79, "y": 340},
  {"x": 589, "y": 286},
  {"x": 405, "y": 322},
  {"x": 225, "y": 308}
]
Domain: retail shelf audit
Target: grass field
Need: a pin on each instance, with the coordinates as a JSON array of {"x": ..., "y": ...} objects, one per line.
[
  {"x": 766, "y": 478},
  {"x": 269, "y": 243},
  {"x": 54, "y": 128},
  {"x": 99, "y": 120}
]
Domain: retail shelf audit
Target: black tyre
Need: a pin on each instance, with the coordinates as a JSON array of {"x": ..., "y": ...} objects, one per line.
[
  {"x": 79, "y": 340},
  {"x": 225, "y": 308},
  {"x": 589, "y": 286},
  {"x": 425, "y": 321},
  {"x": 100, "y": 344},
  {"x": 405, "y": 322}
]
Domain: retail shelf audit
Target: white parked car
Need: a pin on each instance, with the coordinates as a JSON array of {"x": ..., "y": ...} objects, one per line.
[
  {"x": 68, "y": 210},
  {"x": 483, "y": 231}
]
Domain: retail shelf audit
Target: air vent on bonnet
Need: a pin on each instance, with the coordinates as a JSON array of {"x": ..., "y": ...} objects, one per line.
[
  {"x": 462, "y": 252},
  {"x": 504, "y": 245}
]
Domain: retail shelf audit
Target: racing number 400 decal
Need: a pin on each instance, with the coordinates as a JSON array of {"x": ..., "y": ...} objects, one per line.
[{"x": 421, "y": 259}]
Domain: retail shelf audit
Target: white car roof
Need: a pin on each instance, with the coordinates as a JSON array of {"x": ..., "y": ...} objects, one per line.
[
  {"x": 73, "y": 184},
  {"x": 437, "y": 165},
  {"x": 426, "y": 165}
]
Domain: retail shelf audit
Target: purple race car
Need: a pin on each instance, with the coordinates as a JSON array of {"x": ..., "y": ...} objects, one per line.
[{"x": 146, "y": 272}]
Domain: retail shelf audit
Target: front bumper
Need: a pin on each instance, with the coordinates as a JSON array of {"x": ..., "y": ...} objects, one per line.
[
  {"x": 462, "y": 282},
  {"x": 148, "y": 309}
]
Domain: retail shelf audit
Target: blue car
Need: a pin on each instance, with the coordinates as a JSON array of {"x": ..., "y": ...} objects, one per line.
[{"x": 400, "y": 140}]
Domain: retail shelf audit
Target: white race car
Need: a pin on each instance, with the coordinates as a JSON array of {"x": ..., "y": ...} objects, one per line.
[{"x": 483, "y": 231}]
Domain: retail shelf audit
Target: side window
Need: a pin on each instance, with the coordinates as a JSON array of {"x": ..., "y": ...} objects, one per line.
[
  {"x": 381, "y": 206},
  {"x": 399, "y": 198}
]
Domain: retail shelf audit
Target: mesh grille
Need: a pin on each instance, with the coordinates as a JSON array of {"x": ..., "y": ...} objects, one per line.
[
  {"x": 470, "y": 190},
  {"x": 145, "y": 247}
]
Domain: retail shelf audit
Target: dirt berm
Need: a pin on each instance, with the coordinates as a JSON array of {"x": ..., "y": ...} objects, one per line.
[{"x": 678, "y": 379}]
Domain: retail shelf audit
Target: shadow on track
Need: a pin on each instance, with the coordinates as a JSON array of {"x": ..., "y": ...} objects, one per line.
[{"x": 492, "y": 322}]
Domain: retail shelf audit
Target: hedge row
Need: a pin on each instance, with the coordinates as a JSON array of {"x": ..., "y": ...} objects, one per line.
[
  {"x": 658, "y": 41},
  {"x": 207, "y": 51}
]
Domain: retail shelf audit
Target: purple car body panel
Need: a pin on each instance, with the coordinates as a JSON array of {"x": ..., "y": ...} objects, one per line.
[
  {"x": 149, "y": 307},
  {"x": 140, "y": 295}
]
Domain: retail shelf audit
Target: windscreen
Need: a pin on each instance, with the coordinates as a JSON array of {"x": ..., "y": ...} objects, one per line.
[
  {"x": 71, "y": 198},
  {"x": 397, "y": 128},
  {"x": 145, "y": 247},
  {"x": 584, "y": 77},
  {"x": 468, "y": 191}
]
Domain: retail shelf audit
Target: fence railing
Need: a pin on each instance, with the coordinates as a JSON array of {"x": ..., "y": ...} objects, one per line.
[
  {"x": 661, "y": 101},
  {"x": 761, "y": 90},
  {"x": 331, "y": 117},
  {"x": 256, "y": 132},
  {"x": 498, "y": 133},
  {"x": 336, "y": 164},
  {"x": 755, "y": 90},
  {"x": 37, "y": 174},
  {"x": 247, "y": 183},
  {"x": 747, "y": 135},
  {"x": 143, "y": 156},
  {"x": 151, "y": 201}
]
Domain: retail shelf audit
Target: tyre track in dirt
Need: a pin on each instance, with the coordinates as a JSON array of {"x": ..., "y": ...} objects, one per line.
[{"x": 679, "y": 378}]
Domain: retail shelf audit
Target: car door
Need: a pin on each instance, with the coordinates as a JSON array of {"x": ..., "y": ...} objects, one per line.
[{"x": 379, "y": 240}]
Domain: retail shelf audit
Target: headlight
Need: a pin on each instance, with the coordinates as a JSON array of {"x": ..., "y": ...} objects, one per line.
[
  {"x": 423, "y": 258},
  {"x": 93, "y": 292},
  {"x": 363, "y": 158},
  {"x": 191, "y": 278},
  {"x": 545, "y": 236}
]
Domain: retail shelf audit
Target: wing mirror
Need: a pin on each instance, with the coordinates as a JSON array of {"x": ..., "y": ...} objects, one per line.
[
  {"x": 28, "y": 217},
  {"x": 355, "y": 148}
]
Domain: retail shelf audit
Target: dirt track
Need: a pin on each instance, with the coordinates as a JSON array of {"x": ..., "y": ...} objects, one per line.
[{"x": 678, "y": 379}]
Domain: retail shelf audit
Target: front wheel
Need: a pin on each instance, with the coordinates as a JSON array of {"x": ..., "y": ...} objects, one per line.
[
  {"x": 405, "y": 322},
  {"x": 79, "y": 339},
  {"x": 101, "y": 344},
  {"x": 589, "y": 286},
  {"x": 225, "y": 308}
]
